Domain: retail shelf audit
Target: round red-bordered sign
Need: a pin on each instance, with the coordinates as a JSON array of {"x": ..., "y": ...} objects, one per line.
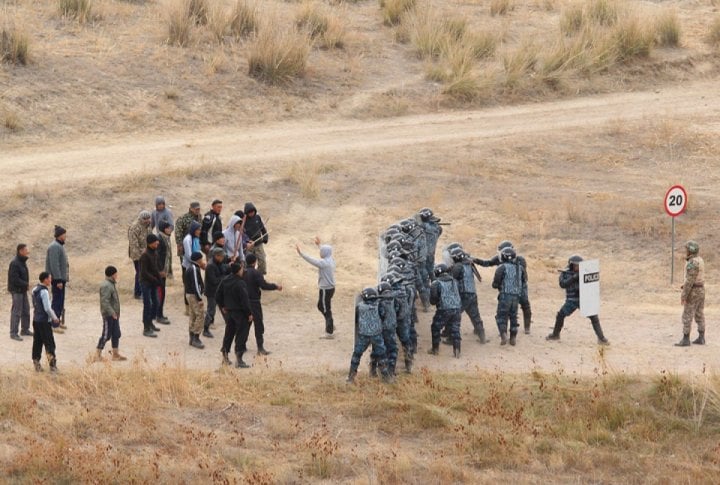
[{"x": 675, "y": 200}]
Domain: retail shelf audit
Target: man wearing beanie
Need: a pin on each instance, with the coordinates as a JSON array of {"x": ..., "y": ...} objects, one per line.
[
  {"x": 161, "y": 213},
  {"x": 56, "y": 264},
  {"x": 183, "y": 224},
  {"x": 110, "y": 311},
  {"x": 18, "y": 285},
  {"x": 194, "y": 291},
  {"x": 137, "y": 235},
  {"x": 218, "y": 241},
  {"x": 150, "y": 277},
  {"x": 255, "y": 282}
]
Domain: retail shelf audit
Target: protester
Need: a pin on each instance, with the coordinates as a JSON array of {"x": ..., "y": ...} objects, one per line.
[
  {"x": 18, "y": 285},
  {"x": 194, "y": 291},
  {"x": 150, "y": 277},
  {"x": 232, "y": 298},
  {"x": 255, "y": 282},
  {"x": 326, "y": 282},
  {"x": 44, "y": 318},
  {"x": 110, "y": 312},
  {"x": 56, "y": 264},
  {"x": 257, "y": 235},
  {"x": 137, "y": 236}
]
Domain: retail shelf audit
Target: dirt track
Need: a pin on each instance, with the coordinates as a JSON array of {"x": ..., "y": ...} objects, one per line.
[
  {"x": 641, "y": 336},
  {"x": 297, "y": 140}
]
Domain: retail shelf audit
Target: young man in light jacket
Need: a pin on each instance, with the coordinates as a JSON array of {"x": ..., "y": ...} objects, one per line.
[{"x": 326, "y": 282}]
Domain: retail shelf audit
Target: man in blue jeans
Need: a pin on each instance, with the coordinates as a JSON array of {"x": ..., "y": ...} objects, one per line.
[{"x": 150, "y": 278}]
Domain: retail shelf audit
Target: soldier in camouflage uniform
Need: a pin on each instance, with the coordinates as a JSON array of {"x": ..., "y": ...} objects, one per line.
[
  {"x": 137, "y": 242},
  {"x": 368, "y": 330},
  {"x": 444, "y": 293},
  {"x": 693, "y": 295},
  {"x": 183, "y": 224}
]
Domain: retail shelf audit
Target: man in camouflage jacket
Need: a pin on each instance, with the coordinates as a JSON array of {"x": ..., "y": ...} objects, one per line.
[{"x": 693, "y": 295}]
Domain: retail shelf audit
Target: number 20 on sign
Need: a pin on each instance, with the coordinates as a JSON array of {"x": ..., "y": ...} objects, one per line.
[{"x": 675, "y": 204}]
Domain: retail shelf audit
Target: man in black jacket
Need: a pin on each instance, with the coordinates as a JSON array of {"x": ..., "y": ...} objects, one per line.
[
  {"x": 257, "y": 234},
  {"x": 232, "y": 298},
  {"x": 255, "y": 282},
  {"x": 150, "y": 277},
  {"x": 211, "y": 224},
  {"x": 18, "y": 285},
  {"x": 215, "y": 271}
]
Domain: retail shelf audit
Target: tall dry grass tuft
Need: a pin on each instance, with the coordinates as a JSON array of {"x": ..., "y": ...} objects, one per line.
[
  {"x": 603, "y": 12},
  {"x": 667, "y": 29},
  {"x": 179, "y": 23},
  {"x": 519, "y": 64},
  {"x": 328, "y": 30},
  {"x": 631, "y": 39},
  {"x": 79, "y": 10},
  {"x": 572, "y": 18},
  {"x": 500, "y": 7},
  {"x": 244, "y": 19},
  {"x": 14, "y": 45},
  {"x": 199, "y": 11},
  {"x": 277, "y": 54},
  {"x": 713, "y": 33},
  {"x": 393, "y": 11},
  {"x": 218, "y": 22},
  {"x": 11, "y": 120}
]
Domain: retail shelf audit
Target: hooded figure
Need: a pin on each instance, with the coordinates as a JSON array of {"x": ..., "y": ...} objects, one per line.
[
  {"x": 326, "y": 282},
  {"x": 257, "y": 236},
  {"x": 161, "y": 213},
  {"x": 191, "y": 243},
  {"x": 235, "y": 239}
]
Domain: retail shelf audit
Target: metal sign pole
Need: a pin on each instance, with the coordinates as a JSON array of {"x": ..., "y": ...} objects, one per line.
[{"x": 672, "y": 253}]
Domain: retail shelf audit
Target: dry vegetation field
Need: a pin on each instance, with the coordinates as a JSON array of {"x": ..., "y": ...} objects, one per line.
[{"x": 556, "y": 124}]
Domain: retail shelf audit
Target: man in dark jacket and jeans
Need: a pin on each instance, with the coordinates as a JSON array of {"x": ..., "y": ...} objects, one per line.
[
  {"x": 215, "y": 271},
  {"x": 257, "y": 234},
  {"x": 255, "y": 282},
  {"x": 18, "y": 285},
  {"x": 232, "y": 298},
  {"x": 150, "y": 277}
]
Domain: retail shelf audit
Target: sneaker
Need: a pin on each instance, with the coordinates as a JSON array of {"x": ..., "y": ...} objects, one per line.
[
  {"x": 163, "y": 320},
  {"x": 328, "y": 336},
  {"x": 603, "y": 341},
  {"x": 26, "y": 333},
  {"x": 62, "y": 325},
  {"x": 155, "y": 329},
  {"x": 149, "y": 333},
  {"x": 17, "y": 337},
  {"x": 262, "y": 351},
  {"x": 58, "y": 330},
  {"x": 552, "y": 336}
]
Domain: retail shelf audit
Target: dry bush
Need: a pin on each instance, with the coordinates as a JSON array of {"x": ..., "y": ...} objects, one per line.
[
  {"x": 306, "y": 176},
  {"x": 11, "y": 120},
  {"x": 334, "y": 36},
  {"x": 198, "y": 11},
  {"x": 667, "y": 29},
  {"x": 482, "y": 44},
  {"x": 713, "y": 34},
  {"x": 394, "y": 10},
  {"x": 631, "y": 39},
  {"x": 500, "y": 7},
  {"x": 179, "y": 23},
  {"x": 427, "y": 32},
  {"x": 243, "y": 19},
  {"x": 79, "y": 10},
  {"x": 572, "y": 19},
  {"x": 14, "y": 45},
  {"x": 466, "y": 87},
  {"x": 313, "y": 18},
  {"x": 519, "y": 64},
  {"x": 603, "y": 12},
  {"x": 218, "y": 22},
  {"x": 277, "y": 55}
]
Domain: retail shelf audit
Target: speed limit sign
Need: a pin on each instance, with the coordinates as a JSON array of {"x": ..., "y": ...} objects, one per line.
[{"x": 675, "y": 200}]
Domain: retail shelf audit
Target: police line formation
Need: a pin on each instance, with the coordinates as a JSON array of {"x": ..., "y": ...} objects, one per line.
[{"x": 234, "y": 280}]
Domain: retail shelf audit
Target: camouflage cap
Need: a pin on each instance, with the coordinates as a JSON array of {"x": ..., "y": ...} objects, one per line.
[{"x": 692, "y": 247}]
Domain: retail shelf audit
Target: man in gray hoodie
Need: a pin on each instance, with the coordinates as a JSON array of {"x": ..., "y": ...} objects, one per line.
[{"x": 326, "y": 282}]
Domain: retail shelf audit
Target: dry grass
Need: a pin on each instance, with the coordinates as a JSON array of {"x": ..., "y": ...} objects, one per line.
[
  {"x": 500, "y": 7},
  {"x": 14, "y": 45},
  {"x": 631, "y": 39},
  {"x": 278, "y": 54},
  {"x": 713, "y": 33},
  {"x": 80, "y": 10},
  {"x": 215, "y": 427},
  {"x": 11, "y": 120},
  {"x": 179, "y": 23},
  {"x": 329, "y": 30},
  {"x": 305, "y": 175},
  {"x": 218, "y": 22},
  {"x": 393, "y": 11},
  {"x": 198, "y": 11},
  {"x": 244, "y": 19},
  {"x": 667, "y": 29}
]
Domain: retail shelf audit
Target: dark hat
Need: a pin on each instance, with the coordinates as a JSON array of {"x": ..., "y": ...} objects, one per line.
[
  {"x": 162, "y": 225},
  {"x": 196, "y": 256},
  {"x": 217, "y": 235},
  {"x": 250, "y": 259},
  {"x": 110, "y": 270},
  {"x": 59, "y": 231},
  {"x": 235, "y": 267},
  {"x": 151, "y": 238},
  {"x": 194, "y": 205}
]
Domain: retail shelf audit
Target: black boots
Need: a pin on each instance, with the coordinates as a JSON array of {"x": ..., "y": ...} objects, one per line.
[
  {"x": 38, "y": 367},
  {"x": 373, "y": 368},
  {"x": 206, "y": 333},
  {"x": 408, "y": 360},
  {"x": 526, "y": 324},
  {"x": 240, "y": 364},
  {"x": 685, "y": 342},
  {"x": 195, "y": 341},
  {"x": 435, "y": 349},
  {"x": 598, "y": 330},
  {"x": 149, "y": 332},
  {"x": 701, "y": 338},
  {"x": 513, "y": 336},
  {"x": 226, "y": 358},
  {"x": 481, "y": 335},
  {"x": 351, "y": 376},
  {"x": 503, "y": 338},
  {"x": 456, "y": 349},
  {"x": 559, "y": 322}
]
